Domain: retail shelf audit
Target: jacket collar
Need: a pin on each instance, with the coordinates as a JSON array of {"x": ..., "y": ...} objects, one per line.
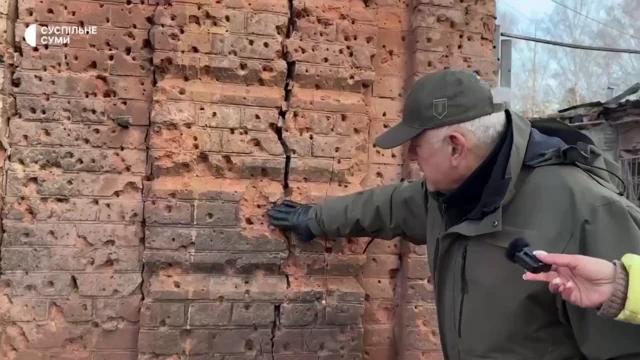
[{"x": 492, "y": 222}]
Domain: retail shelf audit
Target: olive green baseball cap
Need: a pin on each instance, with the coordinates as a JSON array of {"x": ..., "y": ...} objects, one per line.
[{"x": 442, "y": 98}]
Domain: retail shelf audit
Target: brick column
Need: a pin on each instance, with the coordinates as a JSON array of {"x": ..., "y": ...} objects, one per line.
[{"x": 72, "y": 217}]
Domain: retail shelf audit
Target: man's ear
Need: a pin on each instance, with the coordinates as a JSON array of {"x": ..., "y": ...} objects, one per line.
[{"x": 458, "y": 147}]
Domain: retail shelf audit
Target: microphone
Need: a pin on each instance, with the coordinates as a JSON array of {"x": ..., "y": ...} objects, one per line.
[{"x": 520, "y": 252}]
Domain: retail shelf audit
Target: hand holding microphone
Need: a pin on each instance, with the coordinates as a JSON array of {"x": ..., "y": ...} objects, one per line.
[{"x": 581, "y": 280}]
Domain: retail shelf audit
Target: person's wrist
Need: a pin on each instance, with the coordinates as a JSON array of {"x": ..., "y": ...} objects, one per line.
[{"x": 617, "y": 291}]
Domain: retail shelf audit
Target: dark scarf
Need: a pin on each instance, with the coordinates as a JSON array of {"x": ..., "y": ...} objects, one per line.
[{"x": 482, "y": 192}]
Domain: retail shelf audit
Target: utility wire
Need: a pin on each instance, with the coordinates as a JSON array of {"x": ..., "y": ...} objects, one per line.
[
  {"x": 592, "y": 19},
  {"x": 506, "y": 2},
  {"x": 569, "y": 45}
]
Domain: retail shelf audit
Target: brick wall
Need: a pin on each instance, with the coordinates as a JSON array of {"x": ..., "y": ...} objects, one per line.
[{"x": 139, "y": 162}]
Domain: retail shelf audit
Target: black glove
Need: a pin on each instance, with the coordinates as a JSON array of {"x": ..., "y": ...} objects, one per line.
[{"x": 292, "y": 216}]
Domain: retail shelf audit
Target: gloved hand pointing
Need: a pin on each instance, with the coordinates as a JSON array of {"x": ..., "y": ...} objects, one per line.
[{"x": 292, "y": 216}]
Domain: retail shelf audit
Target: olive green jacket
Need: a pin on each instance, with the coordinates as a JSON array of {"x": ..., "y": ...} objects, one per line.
[{"x": 559, "y": 201}]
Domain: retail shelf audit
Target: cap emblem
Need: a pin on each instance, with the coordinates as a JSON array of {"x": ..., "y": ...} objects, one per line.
[{"x": 439, "y": 107}]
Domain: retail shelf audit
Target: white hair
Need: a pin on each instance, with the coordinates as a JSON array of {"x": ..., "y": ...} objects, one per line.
[{"x": 485, "y": 131}]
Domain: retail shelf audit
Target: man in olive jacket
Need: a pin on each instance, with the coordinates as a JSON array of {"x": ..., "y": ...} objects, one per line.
[{"x": 491, "y": 176}]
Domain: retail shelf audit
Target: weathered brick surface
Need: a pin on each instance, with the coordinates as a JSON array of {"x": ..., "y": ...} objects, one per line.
[
  {"x": 159, "y": 143},
  {"x": 73, "y": 211}
]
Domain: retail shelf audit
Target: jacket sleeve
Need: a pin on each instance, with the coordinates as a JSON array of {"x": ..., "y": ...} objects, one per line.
[
  {"x": 631, "y": 311},
  {"x": 383, "y": 212},
  {"x": 608, "y": 232}
]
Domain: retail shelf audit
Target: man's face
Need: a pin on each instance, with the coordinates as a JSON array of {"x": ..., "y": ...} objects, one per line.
[{"x": 442, "y": 158}]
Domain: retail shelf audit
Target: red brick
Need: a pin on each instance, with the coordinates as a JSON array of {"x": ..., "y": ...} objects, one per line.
[
  {"x": 81, "y": 85},
  {"x": 476, "y": 45},
  {"x": 29, "y": 355},
  {"x": 307, "y": 29},
  {"x": 310, "y": 76},
  {"x": 424, "y": 355},
  {"x": 186, "y": 139},
  {"x": 40, "y": 284},
  {"x": 86, "y": 60},
  {"x": 357, "y": 34},
  {"x": 215, "y": 19},
  {"x": 57, "y": 109},
  {"x": 119, "y": 235},
  {"x": 168, "y": 212},
  {"x": 389, "y": 87},
  {"x": 89, "y": 14},
  {"x": 162, "y": 314},
  {"x": 419, "y": 291},
  {"x": 253, "y": 314},
  {"x": 28, "y": 309},
  {"x": 194, "y": 286},
  {"x": 72, "y": 185},
  {"x": 331, "y": 101},
  {"x": 379, "y": 288},
  {"x": 438, "y": 18},
  {"x": 344, "y": 314},
  {"x": 267, "y": 24},
  {"x": 379, "y": 312},
  {"x": 378, "y": 336},
  {"x": 240, "y": 341},
  {"x": 132, "y": 16},
  {"x": 75, "y": 310},
  {"x": 422, "y": 339},
  {"x": 216, "y": 214},
  {"x": 122, "y": 40},
  {"x": 41, "y": 134},
  {"x": 85, "y": 160},
  {"x": 292, "y": 314},
  {"x": 252, "y": 47},
  {"x": 334, "y": 340},
  {"x": 258, "y": 119},
  {"x": 344, "y": 265},
  {"x": 127, "y": 308},
  {"x": 131, "y": 65},
  {"x": 241, "y": 264},
  {"x": 334, "y": 147},
  {"x": 160, "y": 342},
  {"x": 435, "y": 40},
  {"x": 345, "y": 289},
  {"x": 421, "y": 315},
  {"x": 251, "y": 143},
  {"x": 417, "y": 267},
  {"x": 55, "y": 336},
  {"x": 194, "y": 42},
  {"x": 321, "y": 54},
  {"x": 42, "y": 259},
  {"x": 205, "y": 314},
  {"x": 381, "y": 266},
  {"x": 116, "y": 356},
  {"x": 108, "y": 284},
  {"x": 181, "y": 113},
  {"x": 18, "y": 234}
]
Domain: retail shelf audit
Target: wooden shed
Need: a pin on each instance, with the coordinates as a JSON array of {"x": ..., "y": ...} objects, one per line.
[{"x": 614, "y": 125}]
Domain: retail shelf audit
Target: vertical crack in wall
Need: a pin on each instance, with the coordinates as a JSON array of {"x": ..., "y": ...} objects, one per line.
[
  {"x": 147, "y": 142},
  {"x": 279, "y": 128},
  {"x": 288, "y": 89},
  {"x": 274, "y": 328}
]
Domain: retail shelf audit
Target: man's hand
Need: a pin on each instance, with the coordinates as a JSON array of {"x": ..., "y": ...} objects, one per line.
[
  {"x": 292, "y": 216},
  {"x": 581, "y": 280}
]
